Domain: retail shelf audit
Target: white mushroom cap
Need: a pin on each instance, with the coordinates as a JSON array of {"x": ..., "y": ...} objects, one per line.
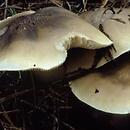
[
  {"x": 41, "y": 40},
  {"x": 118, "y": 30},
  {"x": 116, "y": 26},
  {"x": 96, "y": 17},
  {"x": 108, "y": 89}
]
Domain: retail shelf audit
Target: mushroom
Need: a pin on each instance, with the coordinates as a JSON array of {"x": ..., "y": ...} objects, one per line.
[
  {"x": 41, "y": 40},
  {"x": 114, "y": 23},
  {"x": 117, "y": 28},
  {"x": 96, "y": 17},
  {"x": 108, "y": 87}
]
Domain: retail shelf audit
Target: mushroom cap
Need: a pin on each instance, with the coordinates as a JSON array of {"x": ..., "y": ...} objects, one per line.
[
  {"x": 118, "y": 30},
  {"x": 115, "y": 26},
  {"x": 108, "y": 89},
  {"x": 41, "y": 40},
  {"x": 96, "y": 17}
]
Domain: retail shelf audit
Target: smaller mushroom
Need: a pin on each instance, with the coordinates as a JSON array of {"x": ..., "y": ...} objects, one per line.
[
  {"x": 114, "y": 24},
  {"x": 108, "y": 88},
  {"x": 117, "y": 28}
]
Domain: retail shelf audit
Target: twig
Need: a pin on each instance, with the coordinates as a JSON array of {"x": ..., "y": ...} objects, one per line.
[
  {"x": 7, "y": 116},
  {"x": 34, "y": 87},
  {"x": 11, "y": 111},
  {"x": 11, "y": 96},
  {"x": 84, "y": 4},
  {"x": 5, "y": 12},
  {"x": 67, "y": 125},
  {"x": 104, "y": 3},
  {"x": 11, "y": 7}
]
